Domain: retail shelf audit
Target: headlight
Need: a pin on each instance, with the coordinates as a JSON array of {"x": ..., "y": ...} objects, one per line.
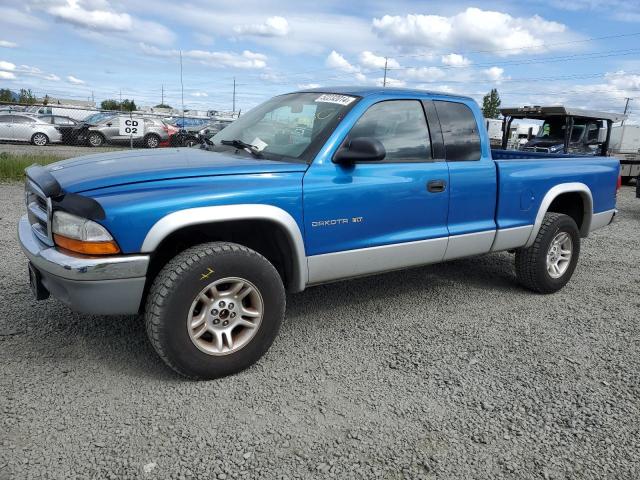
[{"x": 82, "y": 235}]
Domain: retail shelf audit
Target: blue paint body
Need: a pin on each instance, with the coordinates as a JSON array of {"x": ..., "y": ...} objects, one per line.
[{"x": 501, "y": 190}]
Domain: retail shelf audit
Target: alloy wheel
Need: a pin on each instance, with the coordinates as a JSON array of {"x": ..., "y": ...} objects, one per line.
[
  {"x": 225, "y": 316},
  {"x": 559, "y": 255}
]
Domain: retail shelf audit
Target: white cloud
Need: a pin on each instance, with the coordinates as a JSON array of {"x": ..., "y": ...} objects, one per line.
[
  {"x": 455, "y": 60},
  {"x": 272, "y": 27},
  {"x": 337, "y": 61},
  {"x": 8, "y": 44},
  {"x": 371, "y": 60},
  {"x": 494, "y": 74},
  {"x": 391, "y": 82},
  {"x": 199, "y": 94},
  {"x": 7, "y": 65},
  {"x": 74, "y": 80},
  {"x": 7, "y": 75},
  {"x": 424, "y": 74},
  {"x": 246, "y": 59},
  {"x": 97, "y": 20},
  {"x": 52, "y": 77},
  {"x": 623, "y": 81},
  {"x": 308, "y": 86},
  {"x": 75, "y": 13},
  {"x": 472, "y": 29}
]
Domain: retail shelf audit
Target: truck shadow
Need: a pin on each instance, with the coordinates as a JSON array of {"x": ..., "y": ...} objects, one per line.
[{"x": 486, "y": 272}]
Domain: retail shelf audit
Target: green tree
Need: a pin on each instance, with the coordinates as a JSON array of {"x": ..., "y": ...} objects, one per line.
[
  {"x": 46, "y": 100},
  {"x": 163, "y": 105},
  {"x": 26, "y": 97},
  {"x": 128, "y": 105},
  {"x": 5, "y": 95},
  {"x": 110, "y": 104},
  {"x": 491, "y": 104}
]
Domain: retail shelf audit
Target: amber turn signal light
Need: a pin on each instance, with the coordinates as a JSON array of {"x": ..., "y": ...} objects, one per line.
[{"x": 86, "y": 248}]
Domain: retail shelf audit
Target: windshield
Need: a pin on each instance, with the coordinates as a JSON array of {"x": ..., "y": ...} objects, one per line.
[
  {"x": 554, "y": 129},
  {"x": 288, "y": 126},
  {"x": 96, "y": 117}
]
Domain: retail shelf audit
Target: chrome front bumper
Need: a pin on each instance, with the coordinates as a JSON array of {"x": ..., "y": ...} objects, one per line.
[{"x": 99, "y": 285}]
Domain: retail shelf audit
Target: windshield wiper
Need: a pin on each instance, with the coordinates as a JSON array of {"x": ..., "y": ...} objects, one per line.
[{"x": 244, "y": 146}]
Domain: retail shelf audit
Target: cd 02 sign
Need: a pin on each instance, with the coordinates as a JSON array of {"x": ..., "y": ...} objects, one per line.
[{"x": 131, "y": 126}]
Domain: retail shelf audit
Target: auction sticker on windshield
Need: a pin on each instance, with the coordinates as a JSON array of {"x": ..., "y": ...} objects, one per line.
[{"x": 335, "y": 98}]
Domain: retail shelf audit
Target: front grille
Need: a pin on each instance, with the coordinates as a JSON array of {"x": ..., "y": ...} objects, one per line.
[{"x": 38, "y": 212}]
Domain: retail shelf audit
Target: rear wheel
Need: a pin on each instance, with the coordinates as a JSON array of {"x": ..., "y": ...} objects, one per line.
[
  {"x": 214, "y": 310},
  {"x": 548, "y": 264},
  {"x": 39, "y": 139},
  {"x": 95, "y": 139},
  {"x": 151, "y": 141}
]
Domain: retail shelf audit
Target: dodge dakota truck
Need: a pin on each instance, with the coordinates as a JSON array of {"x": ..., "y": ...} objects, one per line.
[{"x": 307, "y": 188}]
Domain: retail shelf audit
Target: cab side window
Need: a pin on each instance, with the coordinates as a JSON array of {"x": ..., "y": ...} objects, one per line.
[
  {"x": 459, "y": 131},
  {"x": 400, "y": 126}
]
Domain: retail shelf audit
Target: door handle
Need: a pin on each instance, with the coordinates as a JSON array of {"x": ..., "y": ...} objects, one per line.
[{"x": 436, "y": 186}]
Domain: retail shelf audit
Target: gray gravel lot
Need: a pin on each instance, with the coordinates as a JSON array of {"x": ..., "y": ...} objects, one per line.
[
  {"x": 448, "y": 371},
  {"x": 63, "y": 151}
]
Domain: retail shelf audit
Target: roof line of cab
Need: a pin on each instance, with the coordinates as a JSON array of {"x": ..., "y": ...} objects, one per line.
[{"x": 363, "y": 91}]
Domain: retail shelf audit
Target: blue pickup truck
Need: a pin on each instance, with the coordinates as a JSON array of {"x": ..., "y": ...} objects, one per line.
[{"x": 309, "y": 187}]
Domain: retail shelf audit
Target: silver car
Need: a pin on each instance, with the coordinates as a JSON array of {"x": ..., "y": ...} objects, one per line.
[
  {"x": 25, "y": 128},
  {"x": 108, "y": 130}
]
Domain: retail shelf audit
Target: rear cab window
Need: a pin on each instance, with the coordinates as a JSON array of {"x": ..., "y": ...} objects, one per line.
[{"x": 459, "y": 131}]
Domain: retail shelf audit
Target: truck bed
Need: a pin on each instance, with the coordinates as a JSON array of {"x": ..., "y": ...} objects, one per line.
[
  {"x": 525, "y": 177},
  {"x": 499, "y": 154}
]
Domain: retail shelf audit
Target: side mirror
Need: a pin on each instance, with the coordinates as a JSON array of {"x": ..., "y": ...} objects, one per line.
[
  {"x": 360, "y": 149},
  {"x": 109, "y": 124},
  {"x": 602, "y": 134}
]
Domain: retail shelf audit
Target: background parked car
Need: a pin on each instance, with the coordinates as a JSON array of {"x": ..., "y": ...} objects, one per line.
[
  {"x": 107, "y": 130},
  {"x": 24, "y": 128},
  {"x": 65, "y": 125},
  {"x": 73, "y": 112}
]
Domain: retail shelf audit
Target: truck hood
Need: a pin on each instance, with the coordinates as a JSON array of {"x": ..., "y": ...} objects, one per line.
[{"x": 91, "y": 172}]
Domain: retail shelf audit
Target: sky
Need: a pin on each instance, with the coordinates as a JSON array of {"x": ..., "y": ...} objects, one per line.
[{"x": 583, "y": 53}]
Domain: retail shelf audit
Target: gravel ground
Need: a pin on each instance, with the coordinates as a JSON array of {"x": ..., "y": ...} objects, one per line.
[
  {"x": 63, "y": 151},
  {"x": 448, "y": 371}
]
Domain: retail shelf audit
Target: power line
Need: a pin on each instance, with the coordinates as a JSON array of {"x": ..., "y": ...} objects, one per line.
[
  {"x": 539, "y": 45},
  {"x": 533, "y": 61}
]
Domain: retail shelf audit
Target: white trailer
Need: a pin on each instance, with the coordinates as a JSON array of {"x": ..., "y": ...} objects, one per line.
[
  {"x": 625, "y": 145},
  {"x": 494, "y": 129}
]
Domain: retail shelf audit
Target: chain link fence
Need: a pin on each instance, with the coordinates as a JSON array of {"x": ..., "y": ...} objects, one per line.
[{"x": 46, "y": 125}]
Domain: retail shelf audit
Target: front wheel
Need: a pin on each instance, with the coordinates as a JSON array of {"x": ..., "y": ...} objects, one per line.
[
  {"x": 39, "y": 139},
  {"x": 214, "y": 310},
  {"x": 548, "y": 264}
]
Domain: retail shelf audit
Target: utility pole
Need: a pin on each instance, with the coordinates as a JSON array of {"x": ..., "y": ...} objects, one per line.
[
  {"x": 120, "y": 100},
  {"x": 384, "y": 81},
  {"x": 626, "y": 107},
  {"x": 182, "y": 88},
  {"x": 162, "y": 102},
  {"x": 234, "y": 95}
]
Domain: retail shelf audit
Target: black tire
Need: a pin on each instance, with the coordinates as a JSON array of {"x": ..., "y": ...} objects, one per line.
[
  {"x": 531, "y": 263},
  {"x": 177, "y": 286},
  {"x": 152, "y": 141},
  {"x": 40, "y": 139},
  {"x": 95, "y": 139}
]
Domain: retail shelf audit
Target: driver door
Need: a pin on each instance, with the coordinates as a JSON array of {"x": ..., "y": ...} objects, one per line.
[{"x": 383, "y": 215}]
